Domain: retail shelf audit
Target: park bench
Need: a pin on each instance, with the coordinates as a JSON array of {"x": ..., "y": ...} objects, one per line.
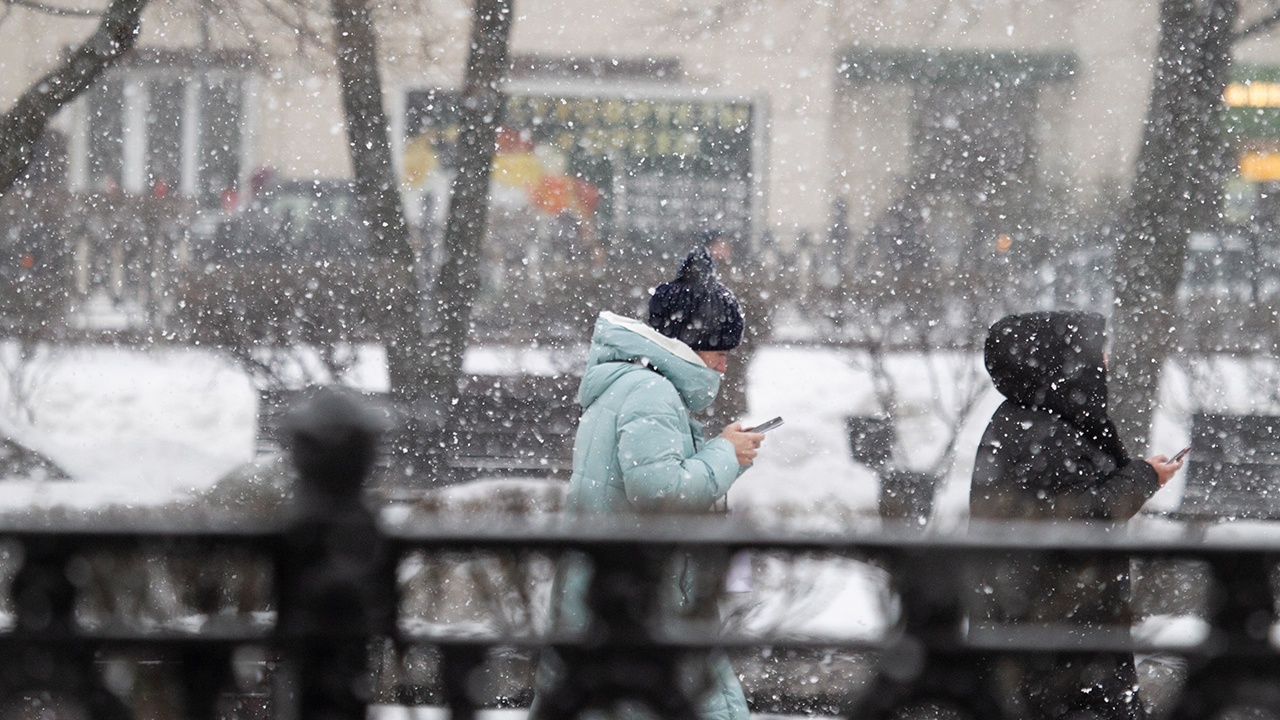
[
  {"x": 505, "y": 425},
  {"x": 1233, "y": 469},
  {"x": 516, "y": 424}
]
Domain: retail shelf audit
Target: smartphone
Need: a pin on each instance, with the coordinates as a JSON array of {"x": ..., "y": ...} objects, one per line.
[
  {"x": 766, "y": 426},
  {"x": 1181, "y": 454}
]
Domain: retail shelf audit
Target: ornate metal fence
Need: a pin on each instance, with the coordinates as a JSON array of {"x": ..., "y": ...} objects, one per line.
[{"x": 333, "y": 568}]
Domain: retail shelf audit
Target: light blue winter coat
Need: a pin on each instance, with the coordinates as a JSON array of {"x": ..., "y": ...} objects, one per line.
[{"x": 638, "y": 450}]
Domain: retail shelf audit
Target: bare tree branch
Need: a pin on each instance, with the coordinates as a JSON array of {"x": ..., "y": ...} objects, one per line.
[
  {"x": 26, "y": 121},
  {"x": 257, "y": 46},
  {"x": 52, "y": 9},
  {"x": 1257, "y": 27},
  {"x": 308, "y": 36},
  {"x": 693, "y": 22}
]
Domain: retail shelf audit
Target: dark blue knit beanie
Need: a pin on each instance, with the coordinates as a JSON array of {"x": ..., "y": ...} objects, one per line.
[{"x": 695, "y": 308}]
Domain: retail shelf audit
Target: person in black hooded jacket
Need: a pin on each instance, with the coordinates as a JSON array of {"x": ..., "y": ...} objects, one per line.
[{"x": 1051, "y": 452}]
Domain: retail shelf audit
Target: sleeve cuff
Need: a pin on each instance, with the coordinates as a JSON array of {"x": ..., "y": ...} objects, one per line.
[{"x": 1146, "y": 476}]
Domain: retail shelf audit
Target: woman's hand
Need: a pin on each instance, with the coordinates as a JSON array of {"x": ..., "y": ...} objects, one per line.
[
  {"x": 1164, "y": 468},
  {"x": 745, "y": 444}
]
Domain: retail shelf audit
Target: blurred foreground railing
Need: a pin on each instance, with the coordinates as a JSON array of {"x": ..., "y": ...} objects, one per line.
[{"x": 333, "y": 574}]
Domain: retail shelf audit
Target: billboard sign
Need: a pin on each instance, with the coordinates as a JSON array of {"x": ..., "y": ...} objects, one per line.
[{"x": 628, "y": 168}]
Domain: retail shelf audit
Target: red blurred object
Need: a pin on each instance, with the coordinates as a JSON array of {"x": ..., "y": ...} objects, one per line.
[
  {"x": 586, "y": 195},
  {"x": 160, "y": 190},
  {"x": 513, "y": 141},
  {"x": 552, "y": 195},
  {"x": 261, "y": 177}
]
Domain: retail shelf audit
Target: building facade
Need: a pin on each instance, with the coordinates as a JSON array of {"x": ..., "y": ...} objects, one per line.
[{"x": 953, "y": 123}]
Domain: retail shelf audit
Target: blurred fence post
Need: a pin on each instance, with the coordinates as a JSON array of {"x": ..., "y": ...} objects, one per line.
[
  {"x": 619, "y": 659},
  {"x": 336, "y": 574},
  {"x": 926, "y": 671},
  {"x": 1242, "y": 676},
  {"x": 44, "y": 595}
]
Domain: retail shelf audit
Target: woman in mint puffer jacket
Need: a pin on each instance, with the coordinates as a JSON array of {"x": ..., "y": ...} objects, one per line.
[{"x": 638, "y": 450}]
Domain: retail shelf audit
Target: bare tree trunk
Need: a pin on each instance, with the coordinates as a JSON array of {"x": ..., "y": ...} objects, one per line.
[
  {"x": 424, "y": 365},
  {"x": 1177, "y": 190},
  {"x": 26, "y": 121},
  {"x": 399, "y": 297},
  {"x": 458, "y": 278}
]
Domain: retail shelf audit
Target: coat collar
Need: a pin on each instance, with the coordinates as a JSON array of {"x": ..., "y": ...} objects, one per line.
[
  {"x": 622, "y": 344},
  {"x": 671, "y": 345}
]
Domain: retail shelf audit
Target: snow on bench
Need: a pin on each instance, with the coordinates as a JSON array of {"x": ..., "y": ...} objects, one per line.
[{"x": 506, "y": 425}]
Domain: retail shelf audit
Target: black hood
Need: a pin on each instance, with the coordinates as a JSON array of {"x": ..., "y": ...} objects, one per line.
[{"x": 1053, "y": 362}]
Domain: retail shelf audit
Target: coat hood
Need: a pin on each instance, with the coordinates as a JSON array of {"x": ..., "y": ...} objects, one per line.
[
  {"x": 1053, "y": 361},
  {"x": 622, "y": 345}
]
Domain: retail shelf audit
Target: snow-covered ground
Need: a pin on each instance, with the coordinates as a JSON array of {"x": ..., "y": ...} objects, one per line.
[
  {"x": 132, "y": 427},
  {"x": 144, "y": 427},
  {"x": 807, "y": 462}
]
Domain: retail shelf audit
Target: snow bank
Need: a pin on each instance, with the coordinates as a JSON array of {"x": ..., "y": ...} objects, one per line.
[
  {"x": 134, "y": 427},
  {"x": 805, "y": 471}
]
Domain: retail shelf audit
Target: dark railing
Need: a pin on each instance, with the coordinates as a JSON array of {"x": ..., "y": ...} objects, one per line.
[{"x": 334, "y": 567}]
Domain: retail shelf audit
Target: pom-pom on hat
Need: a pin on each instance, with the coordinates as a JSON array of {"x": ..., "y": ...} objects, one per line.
[{"x": 695, "y": 308}]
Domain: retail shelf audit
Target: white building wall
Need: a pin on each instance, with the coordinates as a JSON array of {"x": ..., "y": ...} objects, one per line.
[
  {"x": 873, "y": 147},
  {"x": 825, "y": 139},
  {"x": 301, "y": 131},
  {"x": 1088, "y": 126},
  {"x": 1116, "y": 41}
]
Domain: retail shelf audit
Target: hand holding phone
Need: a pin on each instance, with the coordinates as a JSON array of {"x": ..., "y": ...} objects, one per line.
[
  {"x": 766, "y": 426},
  {"x": 1181, "y": 454},
  {"x": 745, "y": 444}
]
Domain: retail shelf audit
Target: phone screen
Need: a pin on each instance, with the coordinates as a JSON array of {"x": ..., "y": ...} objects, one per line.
[
  {"x": 1181, "y": 454},
  {"x": 767, "y": 425}
]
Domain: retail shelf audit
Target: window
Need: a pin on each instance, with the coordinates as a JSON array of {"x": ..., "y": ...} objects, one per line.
[
  {"x": 177, "y": 126},
  {"x": 973, "y": 166},
  {"x": 972, "y": 183}
]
